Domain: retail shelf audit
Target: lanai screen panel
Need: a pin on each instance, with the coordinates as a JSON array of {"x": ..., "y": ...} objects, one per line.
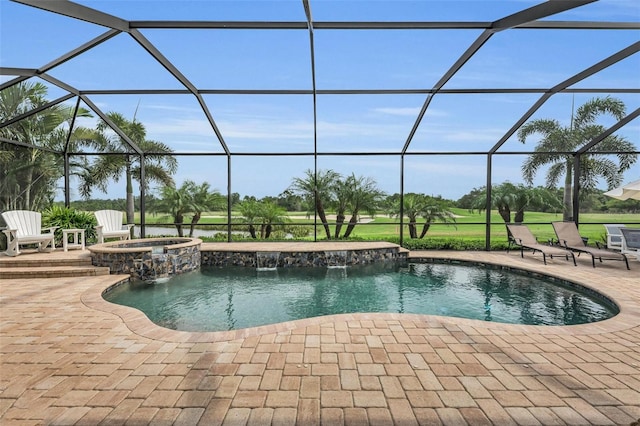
[
  {"x": 264, "y": 123},
  {"x": 174, "y": 120},
  {"x": 560, "y": 109},
  {"x": 38, "y": 33},
  {"x": 415, "y": 10},
  {"x": 386, "y": 59},
  {"x": 530, "y": 58},
  {"x": 369, "y": 123},
  {"x": 197, "y": 10},
  {"x": 468, "y": 122},
  {"x": 119, "y": 63},
  {"x": 238, "y": 59}
]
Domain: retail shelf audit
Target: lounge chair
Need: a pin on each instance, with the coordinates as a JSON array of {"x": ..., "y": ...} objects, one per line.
[
  {"x": 522, "y": 236},
  {"x": 110, "y": 225},
  {"x": 569, "y": 237},
  {"x": 614, "y": 236},
  {"x": 25, "y": 227},
  {"x": 631, "y": 241}
]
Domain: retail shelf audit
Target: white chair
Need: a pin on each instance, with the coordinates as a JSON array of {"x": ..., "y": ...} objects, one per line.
[
  {"x": 631, "y": 241},
  {"x": 614, "y": 236},
  {"x": 25, "y": 227},
  {"x": 110, "y": 225}
]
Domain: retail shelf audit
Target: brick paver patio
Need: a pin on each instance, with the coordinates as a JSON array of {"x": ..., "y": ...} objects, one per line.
[{"x": 69, "y": 357}]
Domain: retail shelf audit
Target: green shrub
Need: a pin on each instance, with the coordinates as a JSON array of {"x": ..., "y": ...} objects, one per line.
[{"x": 68, "y": 218}]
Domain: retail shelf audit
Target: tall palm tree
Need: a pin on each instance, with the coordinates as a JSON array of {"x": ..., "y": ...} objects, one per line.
[
  {"x": 364, "y": 196},
  {"x": 29, "y": 176},
  {"x": 317, "y": 189},
  {"x": 159, "y": 166},
  {"x": 558, "y": 142}
]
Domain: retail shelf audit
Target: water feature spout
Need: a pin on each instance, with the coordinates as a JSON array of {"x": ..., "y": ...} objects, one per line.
[
  {"x": 336, "y": 258},
  {"x": 267, "y": 260}
]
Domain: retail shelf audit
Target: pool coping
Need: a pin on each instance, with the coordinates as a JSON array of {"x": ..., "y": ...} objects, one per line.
[{"x": 628, "y": 317}]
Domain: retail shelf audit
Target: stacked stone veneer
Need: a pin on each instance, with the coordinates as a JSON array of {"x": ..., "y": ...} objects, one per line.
[
  {"x": 139, "y": 259},
  {"x": 289, "y": 259}
]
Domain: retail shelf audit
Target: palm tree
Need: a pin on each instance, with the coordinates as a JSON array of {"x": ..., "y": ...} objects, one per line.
[
  {"x": 202, "y": 199},
  {"x": 412, "y": 206},
  {"x": 270, "y": 214},
  {"x": 177, "y": 202},
  {"x": 508, "y": 198},
  {"x": 159, "y": 167},
  {"x": 250, "y": 211},
  {"x": 364, "y": 195},
  {"x": 317, "y": 188},
  {"x": 433, "y": 210},
  {"x": 340, "y": 203},
  {"x": 28, "y": 176},
  {"x": 558, "y": 142}
]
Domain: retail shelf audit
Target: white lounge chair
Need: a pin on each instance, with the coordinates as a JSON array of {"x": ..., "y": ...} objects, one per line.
[
  {"x": 25, "y": 227},
  {"x": 614, "y": 236},
  {"x": 110, "y": 225}
]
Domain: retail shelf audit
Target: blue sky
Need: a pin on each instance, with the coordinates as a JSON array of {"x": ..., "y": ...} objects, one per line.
[{"x": 361, "y": 59}]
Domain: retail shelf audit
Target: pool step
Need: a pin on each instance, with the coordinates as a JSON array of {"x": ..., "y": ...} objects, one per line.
[{"x": 49, "y": 265}]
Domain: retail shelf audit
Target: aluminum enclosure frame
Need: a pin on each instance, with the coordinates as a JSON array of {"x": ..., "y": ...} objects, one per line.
[{"x": 530, "y": 18}]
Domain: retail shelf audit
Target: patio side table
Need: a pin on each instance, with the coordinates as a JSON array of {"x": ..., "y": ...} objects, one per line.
[{"x": 77, "y": 239}]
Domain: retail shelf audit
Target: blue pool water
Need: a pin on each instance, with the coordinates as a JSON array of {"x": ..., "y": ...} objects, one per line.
[{"x": 218, "y": 299}]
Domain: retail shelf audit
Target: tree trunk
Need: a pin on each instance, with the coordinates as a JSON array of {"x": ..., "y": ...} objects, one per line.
[
  {"x": 567, "y": 198},
  {"x": 263, "y": 230},
  {"x": 339, "y": 221},
  {"x": 179, "y": 219},
  {"x": 252, "y": 232},
  {"x": 425, "y": 229},
  {"x": 267, "y": 232},
  {"x": 413, "y": 233},
  {"x": 323, "y": 218},
  {"x": 27, "y": 191},
  {"x": 505, "y": 213},
  {"x": 352, "y": 224},
  {"x": 519, "y": 216},
  {"x": 194, "y": 221},
  {"x": 130, "y": 206}
]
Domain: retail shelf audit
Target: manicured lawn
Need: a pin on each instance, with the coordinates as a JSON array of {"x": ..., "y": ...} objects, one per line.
[{"x": 469, "y": 225}]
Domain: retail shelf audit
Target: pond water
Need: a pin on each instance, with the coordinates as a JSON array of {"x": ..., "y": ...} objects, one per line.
[{"x": 217, "y": 299}]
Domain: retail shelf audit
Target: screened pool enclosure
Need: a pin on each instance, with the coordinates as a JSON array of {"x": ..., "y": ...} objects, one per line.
[{"x": 424, "y": 97}]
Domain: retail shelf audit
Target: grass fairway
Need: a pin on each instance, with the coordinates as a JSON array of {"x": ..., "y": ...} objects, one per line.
[{"x": 468, "y": 226}]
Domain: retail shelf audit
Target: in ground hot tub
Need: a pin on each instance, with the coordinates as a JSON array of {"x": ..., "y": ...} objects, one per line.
[{"x": 148, "y": 258}]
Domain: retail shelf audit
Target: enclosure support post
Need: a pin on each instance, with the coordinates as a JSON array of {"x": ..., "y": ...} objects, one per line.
[
  {"x": 229, "y": 200},
  {"x": 487, "y": 238},
  {"x": 142, "y": 201},
  {"x": 67, "y": 197},
  {"x": 401, "y": 199}
]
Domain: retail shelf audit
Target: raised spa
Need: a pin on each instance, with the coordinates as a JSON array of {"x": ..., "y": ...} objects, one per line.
[
  {"x": 217, "y": 299},
  {"x": 149, "y": 258}
]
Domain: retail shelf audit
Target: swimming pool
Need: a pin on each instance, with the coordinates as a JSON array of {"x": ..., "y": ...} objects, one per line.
[{"x": 217, "y": 299}]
